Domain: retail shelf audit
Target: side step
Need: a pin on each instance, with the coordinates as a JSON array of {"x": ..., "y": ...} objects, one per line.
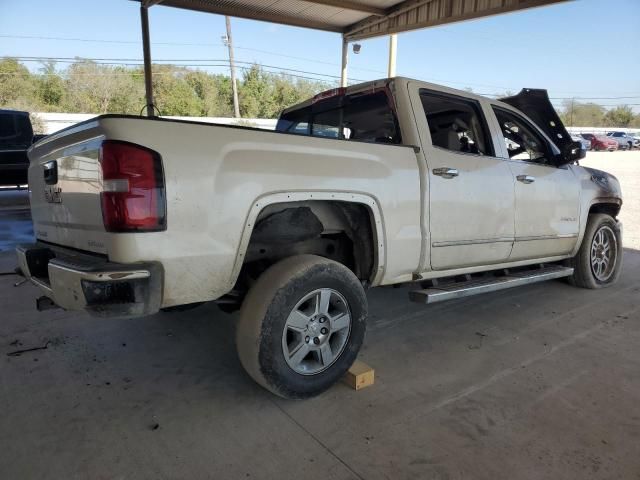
[{"x": 484, "y": 285}]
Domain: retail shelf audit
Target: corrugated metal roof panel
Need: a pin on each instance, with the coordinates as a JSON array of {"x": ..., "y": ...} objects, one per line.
[{"x": 356, "y": 19}]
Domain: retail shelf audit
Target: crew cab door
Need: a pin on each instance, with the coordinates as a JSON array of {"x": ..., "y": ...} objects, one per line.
[
  {"x": 547, "y": 196},
  {"x": 469, "y": 198}
]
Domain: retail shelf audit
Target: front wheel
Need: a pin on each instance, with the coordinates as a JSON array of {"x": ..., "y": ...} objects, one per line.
[
  {"x": 301, "y": 326},
  {"x": 598, "y": 263}
]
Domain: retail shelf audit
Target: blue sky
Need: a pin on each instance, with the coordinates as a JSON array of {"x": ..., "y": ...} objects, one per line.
[{"x": 586, "y": 48}]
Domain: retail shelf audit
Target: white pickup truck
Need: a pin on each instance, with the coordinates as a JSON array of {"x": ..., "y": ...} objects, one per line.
[{"x": 380, "y": 183}]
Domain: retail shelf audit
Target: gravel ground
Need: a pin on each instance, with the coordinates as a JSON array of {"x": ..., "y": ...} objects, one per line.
[{"x": 625, "y": 166}]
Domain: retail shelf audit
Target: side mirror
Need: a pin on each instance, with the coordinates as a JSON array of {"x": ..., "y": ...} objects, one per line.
[{"x": 571, "y": 153}]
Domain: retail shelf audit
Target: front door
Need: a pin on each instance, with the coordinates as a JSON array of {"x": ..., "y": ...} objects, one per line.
[
  {"x": 546, "y": 196},
  {"x": 470, "y": 192}
]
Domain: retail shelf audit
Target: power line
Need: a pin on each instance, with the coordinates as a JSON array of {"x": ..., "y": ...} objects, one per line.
[
  {"x": 184, "y": 44},
  {"x": 174, "y": 61}
]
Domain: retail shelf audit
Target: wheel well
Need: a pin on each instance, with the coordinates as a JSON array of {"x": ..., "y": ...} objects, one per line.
[
  {"x": 341, "y": 231},
  {"x": 611, "y": 209}
]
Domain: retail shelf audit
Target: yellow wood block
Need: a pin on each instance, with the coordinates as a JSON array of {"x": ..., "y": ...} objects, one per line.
[{"x": 359, "y": 376}]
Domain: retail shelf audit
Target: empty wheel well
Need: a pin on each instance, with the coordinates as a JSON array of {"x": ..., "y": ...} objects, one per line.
[
  {"x": 341, "y": 231},
  {"x": 611, "y": 209}
]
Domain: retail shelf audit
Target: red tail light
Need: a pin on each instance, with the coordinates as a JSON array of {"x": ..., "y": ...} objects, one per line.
[{"x": 133, "y": 193}]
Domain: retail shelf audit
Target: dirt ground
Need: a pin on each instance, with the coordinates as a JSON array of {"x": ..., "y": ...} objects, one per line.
[{"x": 539, "y": 382}]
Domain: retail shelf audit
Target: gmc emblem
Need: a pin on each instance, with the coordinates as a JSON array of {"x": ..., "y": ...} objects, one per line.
[{"x": 53, "y": 194}]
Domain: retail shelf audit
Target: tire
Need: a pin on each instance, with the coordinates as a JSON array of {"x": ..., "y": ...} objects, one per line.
[
  {"x": 280, "y": 322},
  {"x": 588, "y": 274}
]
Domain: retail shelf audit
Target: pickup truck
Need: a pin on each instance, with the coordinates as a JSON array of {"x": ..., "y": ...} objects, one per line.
[
  {"x": 386, "y": 182},
  {"x": 16, "y": 136},
  {"x": 625, "y": 141}
]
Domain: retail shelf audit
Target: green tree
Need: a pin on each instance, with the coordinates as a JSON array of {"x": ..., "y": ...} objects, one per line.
[
  {"x": 94, "y": 88},
  {"x": 621, "y": 116},
  {"x": 173, "y": 95},
  {"x": 50, "y": 87},
  {"x": 17, "y": 89},
  {"x": 576, "y": 114}
]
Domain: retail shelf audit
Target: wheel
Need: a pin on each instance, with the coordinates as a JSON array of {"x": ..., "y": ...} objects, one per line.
[
  {"x": 598, "y": 263},
  {"x": 301, "y": 325}
]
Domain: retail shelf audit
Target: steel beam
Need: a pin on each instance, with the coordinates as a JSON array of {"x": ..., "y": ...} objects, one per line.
[{"x": 146, "y": 52}]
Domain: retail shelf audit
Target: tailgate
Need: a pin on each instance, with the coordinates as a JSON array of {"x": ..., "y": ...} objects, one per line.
[{"x": 65, "y": 184}]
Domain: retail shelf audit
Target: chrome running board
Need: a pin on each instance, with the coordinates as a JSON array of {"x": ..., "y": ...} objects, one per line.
[{"x": 440, "y": 293}]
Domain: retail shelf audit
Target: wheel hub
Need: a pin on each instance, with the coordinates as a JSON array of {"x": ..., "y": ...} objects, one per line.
[
  {"x": 316, "y": 331},
  {"x": 604, "y": 251}
]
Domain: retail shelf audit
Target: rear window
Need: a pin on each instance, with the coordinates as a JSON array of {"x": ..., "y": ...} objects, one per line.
[
  {"x": 15, "y": 130},
  {"x": 366, "y": 117}
]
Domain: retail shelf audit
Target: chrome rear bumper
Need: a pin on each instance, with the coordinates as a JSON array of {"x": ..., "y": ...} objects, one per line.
[{"x": 82, "y": 281}]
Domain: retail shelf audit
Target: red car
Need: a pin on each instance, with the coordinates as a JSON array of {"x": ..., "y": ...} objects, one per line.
[{"x": 601, "y": 142}]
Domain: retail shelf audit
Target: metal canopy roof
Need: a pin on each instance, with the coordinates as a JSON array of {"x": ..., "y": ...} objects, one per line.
[{"x": 356, "y": 19}]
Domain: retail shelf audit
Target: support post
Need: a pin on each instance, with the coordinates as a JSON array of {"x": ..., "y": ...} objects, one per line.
[
  {"x": 232, "y": 66},
  {"x": 393, "y": 47},
  {"x": 345, "y": 58},
  {"x": 146, "y": 52}
]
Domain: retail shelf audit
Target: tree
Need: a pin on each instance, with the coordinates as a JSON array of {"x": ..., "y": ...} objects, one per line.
[
  {"x": 576, "y": 114},
  {"x": 94, "y": 88},
  {"x": 173, "y": 95},
  {"x": 50, "y": 87},
  {"x": 621, "y": 116},
  {"x": 16, "y": 85}
]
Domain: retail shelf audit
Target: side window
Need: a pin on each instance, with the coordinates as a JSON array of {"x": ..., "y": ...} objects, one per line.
[
  {"x": 296, "y": 122},
  {"x": 456, "y": 123},
  {"x": 522, "y": 140},
  {"x": 367, "y": 117}
]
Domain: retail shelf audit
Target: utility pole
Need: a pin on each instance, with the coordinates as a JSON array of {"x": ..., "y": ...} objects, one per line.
[
  {"x": 234, "y": 86},
  {"x": 571, "y": 120}
]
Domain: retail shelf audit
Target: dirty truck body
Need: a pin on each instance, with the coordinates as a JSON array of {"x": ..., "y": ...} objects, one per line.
[{"x": 386, "y": 182}]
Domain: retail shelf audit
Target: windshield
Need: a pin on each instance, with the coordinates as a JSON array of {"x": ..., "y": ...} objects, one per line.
[{"x": 367, "y": 117}]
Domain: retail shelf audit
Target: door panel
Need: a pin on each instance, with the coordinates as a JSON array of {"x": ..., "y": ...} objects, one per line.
[
  {"x": 547, "y": 211},
  {"x": 547, "y": 197},
  {"x": 470, "y": 215},
  {"x": 470, "y": 197}
]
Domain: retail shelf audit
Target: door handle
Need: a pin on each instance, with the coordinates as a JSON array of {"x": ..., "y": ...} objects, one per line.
[
  {"x": 526, "y": 178},
  {"x": 446, "y": 172}
]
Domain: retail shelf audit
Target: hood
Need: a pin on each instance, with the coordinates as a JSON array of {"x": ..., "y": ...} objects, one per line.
[
  {"x": 15, "y": 130},
  {"x": 535, "y": 104}
]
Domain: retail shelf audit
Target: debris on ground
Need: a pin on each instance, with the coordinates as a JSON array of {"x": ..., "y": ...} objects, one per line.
[{"x": 17, "y": 353}]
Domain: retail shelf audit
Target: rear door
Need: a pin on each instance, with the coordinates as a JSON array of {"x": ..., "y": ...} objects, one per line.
[
  {"x": 546, "y": 196},
  {"x": 470, "y": 196}
]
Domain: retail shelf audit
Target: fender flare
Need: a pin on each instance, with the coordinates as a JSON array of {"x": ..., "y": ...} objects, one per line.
[
  {"x": 287, "y": 197},
  {"x": 584, "y": 216}
]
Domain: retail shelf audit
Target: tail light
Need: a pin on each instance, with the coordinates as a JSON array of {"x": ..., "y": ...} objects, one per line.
[{"x": 133, "y": 192}]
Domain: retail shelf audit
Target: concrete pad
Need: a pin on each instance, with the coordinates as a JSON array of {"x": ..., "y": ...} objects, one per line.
[{"x": 537, "y": 382}]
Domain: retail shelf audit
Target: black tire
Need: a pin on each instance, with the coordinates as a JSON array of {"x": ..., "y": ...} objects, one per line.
[
  {"x": 584, "y": 274},
  {"x": 264, "y": 314}
]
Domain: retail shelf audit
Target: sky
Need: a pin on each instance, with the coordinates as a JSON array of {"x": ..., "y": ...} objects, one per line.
[{"x": 587, "y": 49}]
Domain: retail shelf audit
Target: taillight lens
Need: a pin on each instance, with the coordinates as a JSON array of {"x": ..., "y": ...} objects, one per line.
[{"x": 133, "y": 192}]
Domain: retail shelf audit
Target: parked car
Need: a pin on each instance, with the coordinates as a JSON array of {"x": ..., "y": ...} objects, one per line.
[
  {"x": 385, "y": 182},
  {"x": 586, "y": 144},
  {"x": 16, "y": 136},
  {"x": 588, "y": 136},
  {"x": 602, "y": 142},
  {"x": 625, "y": 142}
]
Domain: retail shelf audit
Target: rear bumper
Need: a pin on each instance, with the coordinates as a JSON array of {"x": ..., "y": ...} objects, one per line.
[{"x": 81, "y": 281}]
